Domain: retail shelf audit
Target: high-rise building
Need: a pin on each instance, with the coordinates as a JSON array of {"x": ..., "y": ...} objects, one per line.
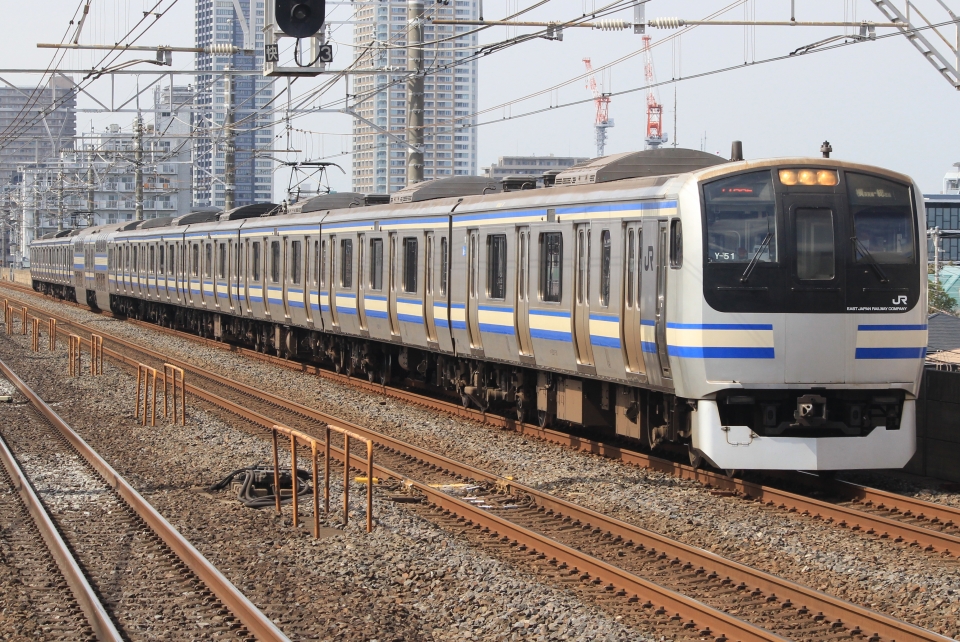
[
  {"x": 217, "y": 22},
  {"x": 450, "y": 95},
  {"x": 26, "y": 137},
  {"x": 529, "y": 165}
]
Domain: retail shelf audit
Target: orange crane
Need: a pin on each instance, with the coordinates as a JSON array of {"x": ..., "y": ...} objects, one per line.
[
  {"x": 655, "y": 136},
  {"x": 602, "y": 122}
]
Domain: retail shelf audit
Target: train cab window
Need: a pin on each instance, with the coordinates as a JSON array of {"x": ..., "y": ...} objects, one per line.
[
  {"x": 195, "y": 261},
  {"x": 443, "y": 265},
  {"x": 882, "y": 220},
  {"x": 815, "y": 249},
  {"x": 346, "y": 263},
  {"x": 676, "y": 244},
  {"x": 275, "y": 261},
  {"x": 605, "y": 268},
  {"x": 296, "y": 259},
  {"x": 497, "y": 266},
  {"x": 409, "y": 264},
  {"x": 741, "y": 217},
  {"x": 376, "y": 264},
  {"x": 255, "y": 261},
  {"x": 551, "y": 267}
]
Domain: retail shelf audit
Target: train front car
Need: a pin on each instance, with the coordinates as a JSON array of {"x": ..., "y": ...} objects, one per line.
[{"x": 798, "y": 320}]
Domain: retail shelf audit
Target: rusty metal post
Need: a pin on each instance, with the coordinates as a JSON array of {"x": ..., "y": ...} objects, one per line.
[
  {"x": 136, "y": 412},
  {"x": 73, "y": 354},
  {"x": 276, "y": 470},
  {"x": 52, "y": 331},
  {"x": 170, "y": 373},
  {"x": 316, "y": 492},
  {"x": 35, "y": 338},
  {"x": 346, "y": 478},
  {"x": 153, "y": 403},
  {"x": 293, "y": 479},
  {"x": 8, "y": 316},
  {"x": 326, "y": 473},
  {"x": 369, "y": 486},
  {"x": 96, "y": 354},
  {"x": 23, "y": 320}
]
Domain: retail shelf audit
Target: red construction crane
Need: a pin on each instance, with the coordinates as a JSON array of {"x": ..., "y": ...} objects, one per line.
[
  {"x": 655, "y": 135},
  {"x": 602, "y": 121}
]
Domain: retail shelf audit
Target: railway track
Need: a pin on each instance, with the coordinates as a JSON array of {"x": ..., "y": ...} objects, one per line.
[
  {"x": 932, "y": 527},
  {"x": 696, "y": 594},
  {"x": 132, "y": 574}
]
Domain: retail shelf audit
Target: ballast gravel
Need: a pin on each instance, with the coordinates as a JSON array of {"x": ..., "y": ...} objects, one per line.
[
  {"x": 408, "y": 580},
  {"x": 904, "y": 582}
]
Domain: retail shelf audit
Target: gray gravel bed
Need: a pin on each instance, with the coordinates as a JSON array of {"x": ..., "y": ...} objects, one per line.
[
  {"x": 407, "y": 580},
  {"x": 903, "y": 582}
]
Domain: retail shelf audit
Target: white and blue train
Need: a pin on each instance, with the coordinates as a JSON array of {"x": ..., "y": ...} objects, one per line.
[{"x": 769, "y": 314}]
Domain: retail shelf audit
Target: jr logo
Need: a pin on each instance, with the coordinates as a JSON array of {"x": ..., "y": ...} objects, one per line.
[
  {"x": 900, "y": 300},
  {"x": 648, "y": 261}
]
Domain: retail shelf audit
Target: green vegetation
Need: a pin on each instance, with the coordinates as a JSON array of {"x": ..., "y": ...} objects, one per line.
[{"x": 938, "y": 299}]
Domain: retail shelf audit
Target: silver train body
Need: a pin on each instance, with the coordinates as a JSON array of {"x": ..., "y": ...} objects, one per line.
[{"x": 769, "y": 314}]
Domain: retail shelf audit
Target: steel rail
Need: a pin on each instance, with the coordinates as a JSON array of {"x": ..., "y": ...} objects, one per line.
[
  {"x": 850, "y": 614},
  {"x": 249, "y": 615},
  {"x": 843, "y": 516},
  {"x": 103, "y": 627}
]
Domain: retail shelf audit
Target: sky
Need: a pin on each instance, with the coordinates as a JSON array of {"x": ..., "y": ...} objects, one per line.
[{"x": 877, "y": 102}]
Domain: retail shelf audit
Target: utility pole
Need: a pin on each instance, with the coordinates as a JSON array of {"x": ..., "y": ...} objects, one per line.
[
  {"x": 60, "y": 212},
  {"x": 230, "y": 151},
  {"x": 90, "y": 187},
  {"x": 415, "y": 91},
  {"x": 138, "y": 166}
]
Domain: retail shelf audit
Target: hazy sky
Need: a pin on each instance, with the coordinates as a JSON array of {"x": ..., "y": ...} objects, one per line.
[{"x": 876, "y": 102}]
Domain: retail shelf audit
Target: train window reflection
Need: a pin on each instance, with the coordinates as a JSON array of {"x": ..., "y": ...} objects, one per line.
[
  {"x": 551, "y": 267},
  {"x": 882, "y": 220},
  {"x": 741, "y": 217},
  {"x": 815, "y": 249}
]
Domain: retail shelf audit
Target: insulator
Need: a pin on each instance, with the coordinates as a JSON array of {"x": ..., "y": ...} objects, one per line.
[
  {"x": 612, "y": 25},
  {"x": 667, "y": 23},
  {"x": 220, "y": 49}
]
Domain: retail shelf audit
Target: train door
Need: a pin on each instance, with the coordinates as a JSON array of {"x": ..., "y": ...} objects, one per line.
[
  {"x": 361, "y": 286},
  {"x": 392, "y": 290},
  {"x": 430, "y": 323},
  {"x": 581, "y": 296},
  {"x": 473, "y": 287},
  {"x": 653, "y": 300},
  {"x": 522, "y": 313},
  {"x": 632, "y": 330}
]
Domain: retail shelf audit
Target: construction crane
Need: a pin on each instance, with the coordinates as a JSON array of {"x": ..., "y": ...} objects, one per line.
[
  {"x": 655, "y": 136},
  {"x": 602, "y": 122}
]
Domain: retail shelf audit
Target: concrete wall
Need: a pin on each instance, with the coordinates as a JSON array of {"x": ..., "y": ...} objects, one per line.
[
  {"x": 19, "y": 276},
  {"x": 938, "y": 426}
]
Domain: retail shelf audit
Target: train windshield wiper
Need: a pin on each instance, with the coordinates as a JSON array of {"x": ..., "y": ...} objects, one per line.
[
  {"x": 756, "y": 258},
  {"x": 872, "y": 262}
]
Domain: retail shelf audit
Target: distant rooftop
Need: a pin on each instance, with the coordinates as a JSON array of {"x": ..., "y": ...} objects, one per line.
[{"x": 943, "y": 332}]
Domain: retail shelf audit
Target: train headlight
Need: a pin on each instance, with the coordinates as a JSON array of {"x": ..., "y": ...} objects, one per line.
[
  {"x": 788, "y": 176},
  {"x": 807, "y": 177},
  {"x": 827, "y": 177}
]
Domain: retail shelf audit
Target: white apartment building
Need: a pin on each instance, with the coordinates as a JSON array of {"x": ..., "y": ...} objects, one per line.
[{"x": 450, "y": 95}]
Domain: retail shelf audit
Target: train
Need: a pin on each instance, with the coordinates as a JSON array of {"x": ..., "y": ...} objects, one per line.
[{"x": 763, "y": 314}]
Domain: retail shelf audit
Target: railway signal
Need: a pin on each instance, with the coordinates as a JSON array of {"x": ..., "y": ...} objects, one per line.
[{"x": 300, "y": 18}]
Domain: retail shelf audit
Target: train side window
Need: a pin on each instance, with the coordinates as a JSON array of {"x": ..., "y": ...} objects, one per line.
[
  {"x": 631, "y": 266},
  {"x": 410, "y": 264},
  {"x": 316, "y": 263},
  {"x": 428, "y": 266},
  {"x": 255, "y": 261},
  {"x": 136, "y": 257},
  {"x": 443, "y": 265},
  {"x": 208, "y": 260},
  {"x": 161, "y": 259},
  {"x": 346, "y": 263},
  {"x": 222, "y": 272},
  {"x": 195, "y": 266},
  {"x": 676, "y": 244},
  {"x": 295, "y": 259},
  {"x": 153, "y": 259},
  {"x": 323, "y": 263},
  {"x": 172, "y": 259},
  {"x": 497, "y": 266},
  {"x": 376, "y": 264},
  {"x": 605, "y": 268},
  {"x": 274, "y": 261},
  {"x": 551, "y": 267}
]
